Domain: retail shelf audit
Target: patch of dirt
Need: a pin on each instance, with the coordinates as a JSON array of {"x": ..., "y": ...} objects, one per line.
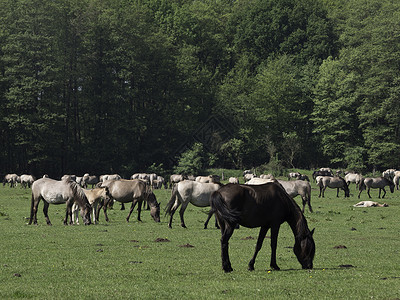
[
  {"x": 346, "y": 266},
  {"x": 161, "y": 240},
  {"x": 100, "y": 250},
  {"x": 134, "y": 241},
  {"x": 248, "y": 238},
  {"x": 353, "y": 229},
  {"x": 135, "y": 262},
  {"x": 187, "y": 246},
  {"x": 340, "y": 247},
  {"x": 17, "y": 275}
]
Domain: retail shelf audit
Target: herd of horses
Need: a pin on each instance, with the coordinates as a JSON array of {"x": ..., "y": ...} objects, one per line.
[{"x": 262, "y": 201}]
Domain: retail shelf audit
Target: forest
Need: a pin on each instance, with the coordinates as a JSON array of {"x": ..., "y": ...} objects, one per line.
[{"x": 123, "y": 86}]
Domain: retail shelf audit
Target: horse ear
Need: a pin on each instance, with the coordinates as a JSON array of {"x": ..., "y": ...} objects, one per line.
[{"x": 312, "y": 231}]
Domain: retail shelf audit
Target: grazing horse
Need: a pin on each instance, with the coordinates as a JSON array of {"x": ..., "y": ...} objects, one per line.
[
  {"x": 12, "y": 179},
  {"x": 266, "y": 206},
  {"x": 135, "y": 191},
  {"x": 58, "y": 192},
  {"x": 94, "y": 196},
  {"x": 375, "y": 183},
  {"x": 186, "y": 192},
  {"x": 333, "y": 183},
  {"x": 353, "y": 178}
]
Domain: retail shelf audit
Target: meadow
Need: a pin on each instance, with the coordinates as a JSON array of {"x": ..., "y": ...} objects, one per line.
[{"x": 357, "y": 254}]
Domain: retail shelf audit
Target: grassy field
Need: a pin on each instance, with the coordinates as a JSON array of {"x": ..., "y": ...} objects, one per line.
[{"x": 357, "y": 255}]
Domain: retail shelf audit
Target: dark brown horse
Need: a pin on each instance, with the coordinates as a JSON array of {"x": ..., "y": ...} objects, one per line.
[{"x": 266, "y": 206}]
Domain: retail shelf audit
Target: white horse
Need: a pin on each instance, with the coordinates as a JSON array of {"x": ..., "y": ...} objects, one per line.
[
  {"x": 233, "y": 180},
  {"x": 370, "y": 204},
  {"x": 396, "y": 181},
  {"x": 248, "y": 176},
  {"x": 26, "y": 180},
  {"x": 109, "y": 177},
  {"x": 186, "y": 192},
  {"x": 353, "y": 178},
  {"x": 11, "y": 179},
  {"x": 58, "y": 192},
  {"x": 208, "y": 179},
  {"x": 294, "y": 175}
]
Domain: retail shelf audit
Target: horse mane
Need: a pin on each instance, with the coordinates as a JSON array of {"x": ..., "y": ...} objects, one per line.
[
  {"x": 296, "y": 219},
  {"x": 79, "y": 194}
]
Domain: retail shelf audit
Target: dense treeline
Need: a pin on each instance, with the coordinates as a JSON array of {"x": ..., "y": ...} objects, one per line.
[{"x": 121, "y": 86}]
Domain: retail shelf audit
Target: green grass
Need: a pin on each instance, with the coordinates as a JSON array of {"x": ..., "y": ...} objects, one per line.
[{"x": 124, "y": 261}]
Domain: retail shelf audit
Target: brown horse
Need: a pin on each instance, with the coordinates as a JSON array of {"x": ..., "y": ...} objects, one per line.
[
  {"x": 266, "y": 206},
  {"x": 135, "y": 191}
]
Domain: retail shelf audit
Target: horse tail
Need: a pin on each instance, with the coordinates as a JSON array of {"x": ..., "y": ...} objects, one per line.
[
  {"x": 170, "y": 204},
  {"x": 361, "y": 185},
  {"x": 221, "y": 210}
]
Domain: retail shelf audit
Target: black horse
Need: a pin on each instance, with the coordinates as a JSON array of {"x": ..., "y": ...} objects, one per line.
[{"x": 266, "y": 206}]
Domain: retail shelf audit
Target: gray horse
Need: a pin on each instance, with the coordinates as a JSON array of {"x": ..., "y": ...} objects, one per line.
[
  {"x": 376, "y": 183},
  {"x": 298, "y": 187},
  {"x": 58, "y": 192},
  {"x": 135, "y": 191},
  {"x": 333, "y": 183}
]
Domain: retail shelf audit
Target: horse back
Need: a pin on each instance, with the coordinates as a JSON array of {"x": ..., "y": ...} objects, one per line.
[{"x": 259, "y": 205}]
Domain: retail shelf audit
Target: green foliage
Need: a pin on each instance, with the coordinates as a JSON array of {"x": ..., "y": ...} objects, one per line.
[
  {"x": 106, "y": 86},
  {"x": 191, "y": 161}
]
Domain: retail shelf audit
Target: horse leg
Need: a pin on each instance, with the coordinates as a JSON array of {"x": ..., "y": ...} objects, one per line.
[
  {"x": 131, "y": 210},
  {"x": 173, "y": 210},
  {"x": 68, "y": 212},
  {"x": 274, "y": 243},
  {"x": 45, "y": 210},
  {"x": 181, "y": 212},
  {"x": 368, "y": 192},
  {"x": 320, "y": 192},
  {"x": 210, "y": 213},
  {"x": 34, "y": 207},
  {"x": 384, "y": 192},
  {"x": 337, "y": 192},
  {"x": 303, "y": 200},
  {"x": 260, "y": 240},
  {"x": 227, "y": 232}
]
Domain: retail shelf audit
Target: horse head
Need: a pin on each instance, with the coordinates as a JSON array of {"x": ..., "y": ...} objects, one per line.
[
  {"x": 304, "y": 249},
  {"x": 154, "y": 207}
]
